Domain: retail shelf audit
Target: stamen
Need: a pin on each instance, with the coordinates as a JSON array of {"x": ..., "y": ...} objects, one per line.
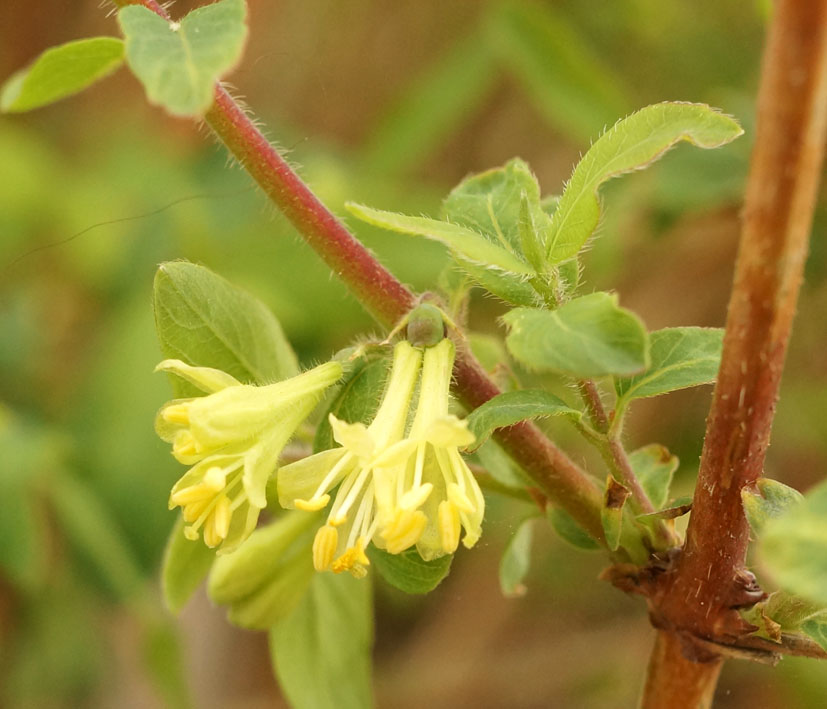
[
  {"x": 329, "y": 480},
  {"x": 210, "y": 534},
  {"x": 362, "y": 514},
  {"x": 416, "y": 497},
  {"x": 190, "y": 494},
  {"x": 192, "y": 511},
  {"x": 215, "y": 478},
  {"x": 222, "y": 514},
  {"x": 449, "y": 527},
  {"x": 338, "y": 515},
  {"x": 183, "y": 446},
  {"x": 459, "y": 498},
  {"x": 324, "y": 547},
  {"x": 405, "y": 530}
]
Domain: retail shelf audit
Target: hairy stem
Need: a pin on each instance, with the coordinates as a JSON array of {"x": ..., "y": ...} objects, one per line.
[
  {"x": 676, "y": 682},
  {"x": 560, "y": 478},
  {"x": 701, "y": 596}
]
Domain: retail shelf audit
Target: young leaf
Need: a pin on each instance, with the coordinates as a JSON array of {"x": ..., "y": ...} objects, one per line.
[
  {"x": 321, "y": 651},
  {"x": 611, "y": 514},
  {"x": 590, "y": 336},
  {"x": 531, "y": 244},
  {"x": 60, "y": 72},
  {"x": 654, "y": 468},
  {"x": 793, "y": 546},
  {"x": 512, "y": 407},
  {"x": 203, "y": 320},
  {"x": 571, "y": 532},
  {"x": 489, "y": 204},
  {"x": 681, "y": 357},
  {"x": 631, "y": 144},
  {"x": 463, "y": 241},
  {"x": 179, "y": 62},
  {"x": 356, "y": 401},
  {"x": 408, "y": 571},
  {"x": 510, "y": 287},
  {"x": 815, "y": 628},
  {"x": 768, "y": 500},
  {"x": 516, "y": 559},
  {"x": 184, "y": 567}
]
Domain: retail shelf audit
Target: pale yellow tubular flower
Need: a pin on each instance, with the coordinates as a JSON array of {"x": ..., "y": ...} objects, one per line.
[
  {"x": 434, "y": 495},
  {"x": 232, "y": 438},
  {"x": 365, "y": 460}
]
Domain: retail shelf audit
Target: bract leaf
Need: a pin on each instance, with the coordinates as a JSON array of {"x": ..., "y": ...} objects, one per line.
[
  {"x": 512, "y": 407},
  {"x": 590, "y": 336},
  {"x": 204, "y": 320},
  {"x": 179, "y": 62},
  {"x": 516, "y": 559},
  {"x": 766, "y": 501},
  {"x": 408, "y": 571},
  {"x": 631, "y": 144},
  {"x": 60, "y": 72},
  {"x": 321, "y": 651},
  {"x": 654, "y": 467}
]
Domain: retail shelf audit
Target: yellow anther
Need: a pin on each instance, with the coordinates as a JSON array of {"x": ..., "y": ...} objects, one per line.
[
  {"x": 177, "y": 414},
  {"x": 404, "y": 531},
  {"x": 222, "y": 514},
  {"x": 324, "y": 547},
  {"x": 215, "y": 478},
  {"x": 313, "y": 504},
  {"x": 192, "y": 494},
  {"x": 194, "y": 510},
  {"x": 459, "y": 498},
  {"x": 211, "y": 537},
  {"x": 191, "y": 533},
  {"x": 353, "y": 560},
  {"x": 449, "y": 526}
]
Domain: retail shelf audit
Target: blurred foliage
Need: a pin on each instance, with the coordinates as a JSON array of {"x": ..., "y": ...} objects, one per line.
[{"x": 99, "y": 189}]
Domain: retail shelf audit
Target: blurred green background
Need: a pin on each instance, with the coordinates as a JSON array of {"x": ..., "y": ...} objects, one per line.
[{"x": 390, "y": 104}]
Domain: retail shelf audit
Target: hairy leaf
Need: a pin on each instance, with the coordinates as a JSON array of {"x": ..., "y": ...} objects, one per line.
[
  {"x": 516, "y": 559},
  {"x": 766, "y": 501},
  {"x": 611, "y": 513},
  {"x": 631, "y": 144},
  {"x": 60, "y": 72},
  {"x": 570, "y": 531},
  {"x": 205, "y": 321},
  {"x": 179, "y": 62},
  {"x": 681, "y": 357},
  {"x": 793, "y": 546},
  {"x": 465, "y": 242},
  {"x": 408, "y": 571},
  {"x": 321, "y": 651},
  {"x": 590, "y": 336},
  {"x": 654, "y": 467},
  {"x": 512, "y": 407}
]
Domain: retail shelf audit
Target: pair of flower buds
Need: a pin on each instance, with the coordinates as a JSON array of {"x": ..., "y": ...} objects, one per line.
[{"x": 401, "y": 480}]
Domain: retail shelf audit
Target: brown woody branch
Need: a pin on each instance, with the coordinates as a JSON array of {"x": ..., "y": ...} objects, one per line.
[{"x": 701, "y": 596}]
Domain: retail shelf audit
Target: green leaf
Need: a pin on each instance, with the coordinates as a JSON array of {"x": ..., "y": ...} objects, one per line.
[
  {"x": 631, "y": 144},
  {"x": 516, "y": 559},
  {"x": 568, "y": 529},
  {"x": 321, "y": 652},
  {"x": 562, "y": 74},
  {"x": 793, "y": 546},
  {"x": 432, "y": 108},
  {"x": 60, "y": 72},
  {"x": 766, "y": 501},
  {"x": 179, "y": 62},
  {"x": 205, "y": 321},
  {"x": 816, "y": 629},
  {"x": 408, "y": 571},
  {"x": 497, "y": 463},
  {"x": 681, "y": 357},
  {"x": 590, "y": 336},
  {"x": 654, "y": 467},
  {"x": 185, "y": 565},
  {"x": 512, "y": 407},
  {"x": 463, "y": 241},
  {"x": 356, "y": 400},
  {"x": 490, "y": 204},
  {"x": 611, "y": 513}
]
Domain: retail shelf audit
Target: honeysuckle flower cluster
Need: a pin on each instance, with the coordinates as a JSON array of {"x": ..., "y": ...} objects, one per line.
[
  {"x": 232, "y": 438},
  {"x": 396, "y": 488}
]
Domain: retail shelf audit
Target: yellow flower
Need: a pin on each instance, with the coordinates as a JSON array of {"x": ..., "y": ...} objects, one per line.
[
  {"x": 232, "y": 438},
  {"x": 433, "y": 495},
  {"x": 360, "y": 465}
]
